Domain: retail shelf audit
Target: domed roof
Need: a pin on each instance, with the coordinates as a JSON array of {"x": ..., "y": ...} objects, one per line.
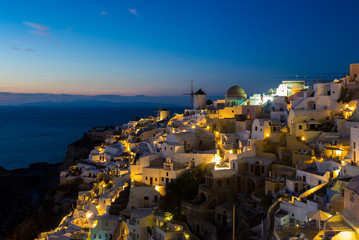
[{"x": 236, "y": 92}]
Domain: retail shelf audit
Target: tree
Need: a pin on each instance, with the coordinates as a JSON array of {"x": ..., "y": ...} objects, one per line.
[{"x": 182, "y": 189}]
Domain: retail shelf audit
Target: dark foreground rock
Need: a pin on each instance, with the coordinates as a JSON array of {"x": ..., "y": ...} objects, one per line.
[{"x": 26, "y": 205}]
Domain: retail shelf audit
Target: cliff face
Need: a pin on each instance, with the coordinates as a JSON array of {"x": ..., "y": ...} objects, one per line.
[
  {"x": 80, "y": 149},
  {"x": 31, "y": 200}
]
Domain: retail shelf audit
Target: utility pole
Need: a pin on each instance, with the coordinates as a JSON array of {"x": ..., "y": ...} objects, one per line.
[{"x": 234, "y": 220}]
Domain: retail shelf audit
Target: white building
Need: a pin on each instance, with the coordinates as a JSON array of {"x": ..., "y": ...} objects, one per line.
[
  {"x": 143, "y": 197},
  {"x": 104, "y": 227},
  {"x": 139, "y": 222},
  {"x": 199, "y": 100},
  {"x": 262, "y": 128},
  {"x": 354, "y": 147},
  {"x": 158, "y": 176}
]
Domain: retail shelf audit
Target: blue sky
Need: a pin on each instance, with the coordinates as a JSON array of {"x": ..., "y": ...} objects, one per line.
[{"x": 157, "y": 47}]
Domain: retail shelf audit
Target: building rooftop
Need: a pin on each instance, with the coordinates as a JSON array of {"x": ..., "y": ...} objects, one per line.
[
  {"x": 199, "y": 92},
  {"x": 354, "y": 184}
]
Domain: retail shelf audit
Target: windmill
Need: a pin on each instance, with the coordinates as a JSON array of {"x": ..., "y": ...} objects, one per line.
[{"x": 191, "y": 93}]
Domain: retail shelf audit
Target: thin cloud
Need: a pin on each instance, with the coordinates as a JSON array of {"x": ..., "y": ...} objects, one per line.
[
  {"x": 134, "y": 12},
  {"x": 54, "y": 41},
  {"x": 104, "y": 13},
  {"x": 25, "y": 49},
  {"x": 39, "y": 29}
]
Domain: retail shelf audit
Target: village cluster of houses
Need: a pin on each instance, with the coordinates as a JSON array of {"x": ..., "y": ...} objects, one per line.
[{"x": 283, "y": 165}]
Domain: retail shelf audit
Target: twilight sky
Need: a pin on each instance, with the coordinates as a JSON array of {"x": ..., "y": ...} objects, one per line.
[{"x": 155, "y": 47}]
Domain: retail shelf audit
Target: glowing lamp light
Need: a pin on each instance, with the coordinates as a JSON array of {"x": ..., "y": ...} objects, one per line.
[
  {"x": 88, "y": 215},
  {"x": 217, "y": 159},
  {"x": 303, "y": 138},
  {"x": 193, "y": 126},
  {"x": 267, "y": 135},
  {"x": 230, "y": 151}
]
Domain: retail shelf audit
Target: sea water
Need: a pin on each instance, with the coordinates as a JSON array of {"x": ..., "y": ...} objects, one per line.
[{"x": 42, "y": 134}]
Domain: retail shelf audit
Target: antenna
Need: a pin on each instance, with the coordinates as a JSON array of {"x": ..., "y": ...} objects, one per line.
[{"x": 191, "y": 93}]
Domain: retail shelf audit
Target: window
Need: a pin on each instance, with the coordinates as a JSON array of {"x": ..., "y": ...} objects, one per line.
[
  {"x": 355, "y": 159},
  {"x": 354, "y": 145},
  {"x": 300, "y": 127},
  {"x": 171, "y": 148},
  {"x": 94, "y": 236},
  {"x": 261, "y": 129},
  {"x": 156, "y": 199},
  {"x": 146, "y": 178},
  {"x": 155, "y": 179},
  {"x": 233, "y": 165},
  {"x": 256, "y": 128},
  {"x": 167, "y": 174},
  {"x": 163, "y": 179},
  {"x": 145, "y": 198},
  {"x": 165, "y": 148},
  {"x": 99, "y": 236},
  {"x": 227, "y": 181},
  {"x": 352, "y": 196}
]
